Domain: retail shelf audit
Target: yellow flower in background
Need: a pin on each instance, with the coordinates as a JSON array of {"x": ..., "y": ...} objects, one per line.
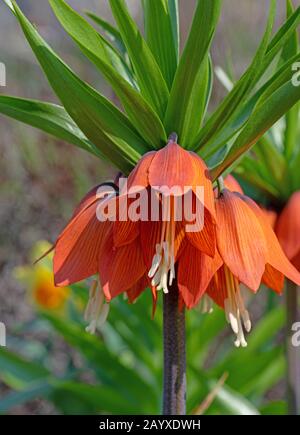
[
  {"x": 45, "y": 293},
  {"x": 39, "y": 280}
]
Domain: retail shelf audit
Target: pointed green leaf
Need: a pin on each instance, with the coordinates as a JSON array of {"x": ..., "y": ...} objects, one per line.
[
  {"x": 91, "y": 43},
  {"x": 232, "y": 102},
  {"x": 97, "y": 118},
  {"x": 174, "y": 14},
  {"x": 186, "y": 103},
  {"x": 149, "y": 77},
  {"x": 160, "y": 38},
  {"x": 292, "y": 122},
  {"x": 51, "y": 118},
  {"x": 112, "y": 33},
  {"x": 262, "y": 118},
  {"x": 217, "y": 146}
]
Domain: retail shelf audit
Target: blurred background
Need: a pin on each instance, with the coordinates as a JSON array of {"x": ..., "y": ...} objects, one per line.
[{"x": 41, "y": 181}]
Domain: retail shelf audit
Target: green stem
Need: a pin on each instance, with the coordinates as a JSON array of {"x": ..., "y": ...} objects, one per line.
[
  {"x": 292, "y": 351},
  {"x": 174, "y": 395}
]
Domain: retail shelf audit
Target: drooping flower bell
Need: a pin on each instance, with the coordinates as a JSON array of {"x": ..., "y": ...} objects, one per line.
[
  {"x": 131, "y": 254},
  {"x": 250, "y": 255},
  {"x": 287, "y": 229}
]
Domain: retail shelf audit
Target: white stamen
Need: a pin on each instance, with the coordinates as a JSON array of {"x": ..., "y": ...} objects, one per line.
[
  {"x": 162, "y": 270},
  {"x": 235, "y": 310},
  {"x": 97, "y": 310}
]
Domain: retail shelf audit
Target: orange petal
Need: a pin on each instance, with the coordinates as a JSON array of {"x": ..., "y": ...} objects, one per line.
[
  {"x": 217, "y": 288},
  {"x": 203, "y": 179},
  {"x": 125, "y": 230},
  {"x": 172, "y": 166},
  {"x": 270, "y": 216},
  {"x": 275, "y": 255},
  {"x": 195, "y": 271},
  {"x": 288, "y": 226},
  {"x": 240, "y": 239},
  {"x": 204, "y": 240},
  {"x": 134, "y": 292},
  {"x": 78, "y": 247},
  {"x": 232, "y": 184},
  {"x": 150, "y": 235},
  {"x": 120, "y": 268},
  {"x": 273, "y": 279},
  {"x": 91, "y": 196},
  {"x": 296, "y": 261},
  {"x": 139, "y": 175}
]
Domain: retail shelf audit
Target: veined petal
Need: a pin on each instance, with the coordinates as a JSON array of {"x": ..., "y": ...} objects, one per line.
[
  {"x": 89, "y": 199},
  {"x": 139, "y": 175},
  {"x": 150, "y": 235},
  {"x": 120, "y": 268},
  {"x": 78, "y": 247},
  {"x": 240, "y": 239},
  {"x": 195, "y": 271},
  {"x": 204, "y": 240},
  {"x": 296, "y": 261},
  {"x": 217, "y": 288},
  {"x": 203, "y": 180},
  {"x": 270, "y": 216},
  {"x": 232, "y": 184},
  {"x": 275, "y": 255},
  {"x": 273, "y": 279},
  {"x": 134, "y": 292},
  {"x": 288, "y": 226},
  {"x": 172, "y": 166}
]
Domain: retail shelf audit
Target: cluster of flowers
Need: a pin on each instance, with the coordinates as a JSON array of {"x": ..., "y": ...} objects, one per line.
[{"x": 235, "y": 246}]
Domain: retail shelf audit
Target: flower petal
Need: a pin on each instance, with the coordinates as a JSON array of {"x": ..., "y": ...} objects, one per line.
[
  {"x": 150, "y": 235},
  {"x": 273, "y": 279},
  {"x": 203, "y": 179},
  {"x": 275, "y": 255},
  {"x": 217, "y": 288},
  {"x": 288, "y": 226},
  {"x": 139, "y": 175},
  {"x": 78, "y": 246},
  {"x": 240, "y": 239},
  {"x": 120, "y": 268},
  {"x": 134, "y": 292},
  {"x": 204, "y": 240},
  {"x": 232, "y": 184},
  {"x": 195, "y": 271}
]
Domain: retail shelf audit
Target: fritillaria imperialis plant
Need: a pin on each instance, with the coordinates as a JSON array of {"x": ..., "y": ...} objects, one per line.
[{"x": 162, "y": 92}]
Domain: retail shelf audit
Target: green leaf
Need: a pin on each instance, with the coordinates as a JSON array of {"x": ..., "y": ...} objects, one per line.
[
  {"x": 292, "y": 117},
  {"x": 263, "y": 117},
  {"x": 93, "y": 46},
  {"x": 34, "y": 390},
  {"x": 160, "y": 38},
  {"x": 92, "y": 398},
  {"x": 234, "y": 402},
  {"x": 108, "y": 367},
  {"x": 112, "y": 33},
  {"x": 98, "y": 119},
  {"x": 234, "y": 99},
  {"x": 188, "y": 98},
  {"x": 274, "y": 408},
  {"x": 248, "y": 171},
  {"x": 174, "y": 15},
  {"x": 48, "y": 117},
  {"x": 149, "y": 77},
  {"x": 17, "y": 372}
]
